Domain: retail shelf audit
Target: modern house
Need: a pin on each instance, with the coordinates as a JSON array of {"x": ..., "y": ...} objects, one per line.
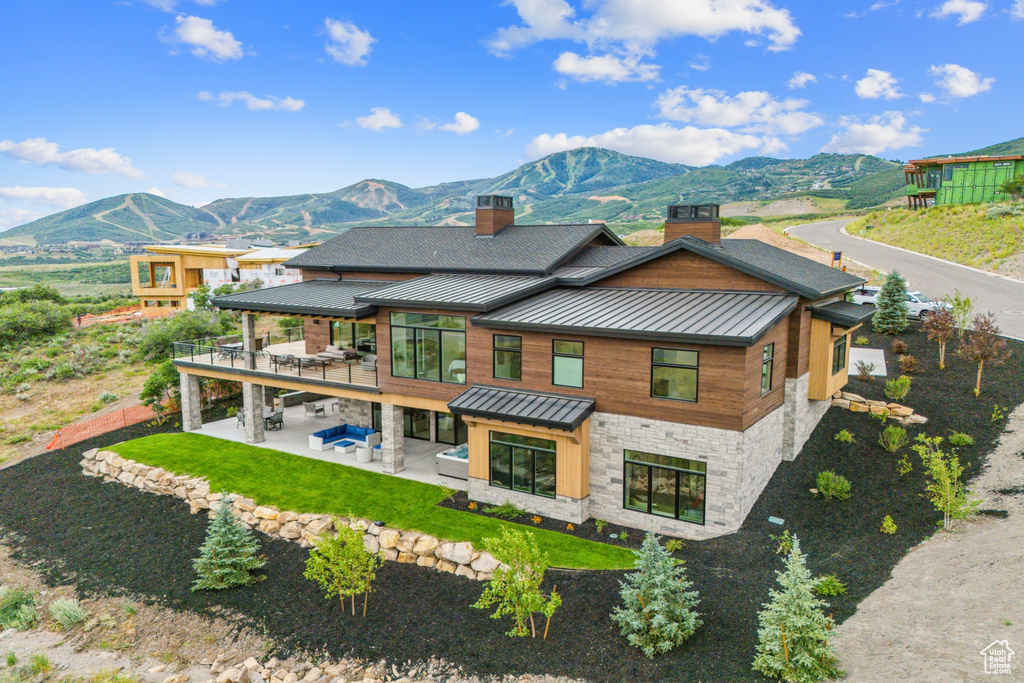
[
  {"x": 655, "y": 387},
  {"x": 165, "y": 276},
  {"x": 959, "y": 180}
]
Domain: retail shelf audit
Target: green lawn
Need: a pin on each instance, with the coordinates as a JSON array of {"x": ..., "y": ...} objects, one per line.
[{"x": 291, "y": 482}]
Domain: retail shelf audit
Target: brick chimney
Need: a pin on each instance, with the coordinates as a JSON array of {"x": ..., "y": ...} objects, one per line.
[
  {"x": 493, "y": 212},
  {"x": 698, "y": 220}
]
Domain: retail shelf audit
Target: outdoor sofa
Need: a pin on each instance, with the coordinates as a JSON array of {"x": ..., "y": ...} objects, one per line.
[
  {"x": 343, "y": 435},
  {"x": 333, "y": 353}
]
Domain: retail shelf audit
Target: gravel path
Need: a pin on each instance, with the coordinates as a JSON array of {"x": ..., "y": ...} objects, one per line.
[{"x": 954, "y": 594}]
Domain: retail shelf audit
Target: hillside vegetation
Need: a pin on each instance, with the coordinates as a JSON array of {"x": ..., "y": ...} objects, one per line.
[{"x": 986, "y": 236}]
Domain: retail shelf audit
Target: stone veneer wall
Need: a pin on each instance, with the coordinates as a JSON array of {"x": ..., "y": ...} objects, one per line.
[
  {"x": 397, "y": 545},
  {"x": 802, "y": 415},
  {"x": 739, "y": 465},
  {"x": 354, "y": 412},
  {"x": 561, "y": 507}
]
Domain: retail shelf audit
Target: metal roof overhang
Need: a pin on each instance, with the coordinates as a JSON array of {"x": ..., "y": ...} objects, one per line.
[
  {"x": 554, "y": 411},
  {"x": 842, "y": 313},
  {"x": 298, "y": 299},
  {"x": 497, "y": 301}
]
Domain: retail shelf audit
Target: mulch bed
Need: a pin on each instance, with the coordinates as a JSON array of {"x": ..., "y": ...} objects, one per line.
[{"x": 112, "y": 539}]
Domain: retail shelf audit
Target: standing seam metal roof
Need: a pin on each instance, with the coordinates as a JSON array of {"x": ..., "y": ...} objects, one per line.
[
  {"x": 527, "y": 407},
  {"x": 330, "y": 298},
  {"x": 465, "y": 292},
  {"x": 724, "y": 318}
]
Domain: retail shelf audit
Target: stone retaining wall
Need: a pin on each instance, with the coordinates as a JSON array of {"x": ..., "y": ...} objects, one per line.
[
  {"x": 894, "y": 411},
  {"x": 396, "y": 545}
]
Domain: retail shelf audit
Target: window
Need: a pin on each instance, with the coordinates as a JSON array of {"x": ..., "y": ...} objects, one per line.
[
  {"x": 767, "y": 365},
  {"x": 674, "y": 374},
  {"x": 429, "y": 347},
  {"x": 839, "y": 355},
  {"x": 451, "y": 429},
  {"x": 665, "y": 486},
  {"x": 376, "y": 417},
  {"x": 567, "y": 363},
  {"x": 359, "y": 336},
  {"x": 508, "y": 357},
  {"x": 523, "y": 463},
  {"x": 278, "y": 272}
]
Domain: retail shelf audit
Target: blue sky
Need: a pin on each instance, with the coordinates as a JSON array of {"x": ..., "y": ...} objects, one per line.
[{"x": 200, "y": 99}]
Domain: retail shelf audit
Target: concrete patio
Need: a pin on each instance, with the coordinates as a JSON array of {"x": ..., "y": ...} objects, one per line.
[{"x": 420, "y": 464}]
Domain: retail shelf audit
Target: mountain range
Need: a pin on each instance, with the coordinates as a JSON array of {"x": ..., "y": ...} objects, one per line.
[{"x": 569, "y": 187}]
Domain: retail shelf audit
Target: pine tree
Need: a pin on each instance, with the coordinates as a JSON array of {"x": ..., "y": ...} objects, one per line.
[
  {"x": 659, "y": 609},
  {"x": 891, "y": 307},
  {"x": 228, "y": 555},
  {"x": 793, "y": 629}
]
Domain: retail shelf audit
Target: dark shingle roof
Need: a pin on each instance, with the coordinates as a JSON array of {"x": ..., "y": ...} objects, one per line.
[
  {"x": 843, "y": 313},
  {"x": 313, "y": 297},
  {"x": 526, "y": 407},
  {"x": 463, "y": 292},
  {"x": 606, "y": 256},
  {"x": 721, "y": 318},
  {"x": 514, "y": 250}
]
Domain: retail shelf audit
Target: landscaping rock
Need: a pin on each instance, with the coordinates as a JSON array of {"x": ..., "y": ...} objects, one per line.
[
  {"x": 464, "y": 570},
  {"x": 426, "y": 560},
  {"x": 389, "y": 538},
  {"x": 425, "y": 545},
  {"x": 269, "y": 526},
  {"x": 319, "y": 525},
  {"x": 485, "y": 563},
  {"x": 390, "y": 554},
  {"x": 244, "y": 504},
  {"x": 266, "y": 512},
  {"x": 406, "y": 558},
  {"x": 456, "y": 553},
  {"x": 287, "y": 516},
  {"x": 291, "y": 530},
  {"x": 852, "y": 397},
  {"x": 840, "y": 403},
  {"x": 371, "y": 544},
  {"x": 446, "y": 566},
  {"x": 858, "y": 407}
]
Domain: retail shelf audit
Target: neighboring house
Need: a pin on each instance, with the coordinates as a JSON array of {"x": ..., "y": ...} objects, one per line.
[
  {"x": 959, "y": 180},
  {"x": 165, "y": 275},
  {"x": 655, "y": 387}
]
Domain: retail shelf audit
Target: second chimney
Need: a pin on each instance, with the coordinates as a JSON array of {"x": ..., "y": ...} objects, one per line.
[
  {"x": 696, "y": 220},
  {"x": 493, "y": 212}
]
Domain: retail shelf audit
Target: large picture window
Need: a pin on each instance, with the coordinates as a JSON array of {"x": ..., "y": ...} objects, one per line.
[
  {"x": 767, "y": 366},
  {"x": 567, "y": 363},
  {"x": 430, "y": 347},
  {"x": 359, "y": 336},
  {"x": 674, "y": 374},
  {"x": 451, "y": 429},
  {"x": 839, "y": 355},
  {"x": 665, "y": 486},
  {"x": 508, "y": 357},
  {"x": 523, "y": 463}
]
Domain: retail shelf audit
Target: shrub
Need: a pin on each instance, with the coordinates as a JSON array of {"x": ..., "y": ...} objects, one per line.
[
  {"x": 623, "y": 535},
  {"x": 897, "y": 388},
  {"x": 891, "y": 307},
  {"x": 829, "y": 585},
  {"x": 784, "y": 542},
  {"x": 674, "y": 545},
  {"x": 39, "y": 664},
  {"x": 861, "y": 340},
  {"x": 908, "y": 363},
  {"x": 898, "y": 346},
  {"x": 864, "y": 370},
  {"x": 963, "y": 310},
  {"x": 157, "y": 337},
  {"x": 228, "y": 556},
  {"x": 601, "y": 525},
  {"x": 341, "y": 565},
  {"x": 108, "y": 397},
  {"x": 67, "y": 612},
  {"x": 903, "y": 465},
  {"x": 515, "y": 585},
  {"x": 945, "y": 489},
  {"x": 12, "y": 659},
  {"x": 658, "y": 610},
  {"x": 888, "y": 526},
  {"x": 506, "y": 510},
  {"x": 22, "y": 322},
  {"x": 844, "y": 436},
  {"x": 881, "y": 415},
  {"x": 11, "y": 602},
  {"x": 893, "y": 438},
  {"x": 793, "y": 631},
  {"x": 961, "y": 439},
  {"x": 162, "y": 387},
  {"x": 832, "y": 485},
  {"x": 26, "y": 617}
]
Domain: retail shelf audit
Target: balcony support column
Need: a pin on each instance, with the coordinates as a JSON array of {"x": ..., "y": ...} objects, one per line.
[
  {"x": 249, "y": 340},
  {"x": 392, "y": 438},
  {"x": 191, "y": 403},
  {"x": 252, "y": 409}
]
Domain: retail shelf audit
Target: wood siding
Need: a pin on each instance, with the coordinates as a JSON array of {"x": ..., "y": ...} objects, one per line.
[
  {"x": 757, "y": 406},
  {"x": 798, "y": 357},
  {"x": 686, "y": 270},
  {"x": 822, "y": 382}
]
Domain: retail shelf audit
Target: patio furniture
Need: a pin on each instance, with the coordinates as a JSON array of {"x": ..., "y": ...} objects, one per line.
[
  {"x": 345, "y": 446},
  {"x": 274, "y": 423},
  {"x": 369, "y": 362},
  {"x": 326, "y": 439},
  {"x": 282, "y": 360},
  {"x": 332, "y": 353},
  {"x": 315, "y": 409},
  {"x": 364, "y": 454},
  {"x": 240, "y": 419},
  {"x": 258, "y": 347}
]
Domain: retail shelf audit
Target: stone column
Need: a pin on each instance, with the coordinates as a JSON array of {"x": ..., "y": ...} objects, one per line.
[
  {"x": 392, "y": 438},
  {"x": 252, "y": 408},
  {"x": 249, "y": 340},
  {"x": 191, "y": 403},
  {"x": 433, "y": 426}
]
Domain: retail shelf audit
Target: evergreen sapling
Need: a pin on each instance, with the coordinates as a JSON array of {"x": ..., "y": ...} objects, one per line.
[
  {"x": 228, "y": 556},
  {"x": 891, "y": 308},
  {"x": 658, "y": 609},
  {"x": 793, "y": 629}
]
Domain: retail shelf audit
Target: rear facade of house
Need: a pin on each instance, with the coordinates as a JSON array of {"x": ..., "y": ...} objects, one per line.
[
  {"x": 959, "y": 180},
  {"x": 653, "y": 387}
]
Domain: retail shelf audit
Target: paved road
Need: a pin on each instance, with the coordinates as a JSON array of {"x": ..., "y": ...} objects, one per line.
[{"x": 1003, "y": 297}]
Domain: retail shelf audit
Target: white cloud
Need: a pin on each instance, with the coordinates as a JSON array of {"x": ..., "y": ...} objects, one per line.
[
  {"x": 608, "y": 68},
  {"x": 959, "y": 81},
  {"x": 1017, "y": 11},
  {"x": 193, "y": 180},
  {"x": 884, "y": 132},
  {"x": 700, "y": 63},
  {"x": 379, "y": 119},
  {"x": 463, "y": 124},
  {"x": 926, "y": 97},
  {"x": 750, "y": 112},
  {"x": 348, "y": 44},
  {"x": 686, "y": 145},
  {"x": 801, "y": 79},
  {"x": 172, "y": 5},
  {"x": 40, "y": 151},
  {"x": 10, "y": 218},
  {"x": 878, "y": 84},
  {"x": 253, "y": 103},
  {"x": 207, "y": 40},
  {"x": 62, "y": 197},
  {"x": 967, "y": 10}
]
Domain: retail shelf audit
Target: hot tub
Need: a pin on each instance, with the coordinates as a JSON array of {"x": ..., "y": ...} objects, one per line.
[{"x": 454, "y": 462}]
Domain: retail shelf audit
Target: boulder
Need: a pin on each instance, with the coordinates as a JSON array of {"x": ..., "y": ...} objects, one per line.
[
  {"x": 916, "y": 419},
  {"x": 425, "y": 545},
  {"x": 484, "y": 576},
  {"x": 389, "y": 554},
  {"x": 269, "y": 526},
  {"x": 445, "y": 566},
  {"x": 406, "y": 558},
  {"x": 250, "y": 519},
  {"x": 426, "y": 560},
  {"x": 91, "y": 454},
  {"x": 465, "y": 571},
  {"x": 407, "y": 542},
  {"x": 389, "y": 538},
  {"x": 291, "y": 530},
  {"x": 266, "y": 512},
  {"x": 371, "y": 544},
  {"x": 874, "y": 403},
  {"x": 319, "y": 525},
  {"x": 902, "y": 411},
  {"x": 126, "y": 477},
  {"x": 251, "y": 664},
  {"x": 456, "y": 553},
  {"x": 485, "y": 563},
  {"x": 244, "y": 504},
  {"x": 852, "y": 397},
  {"x": 287, "y": 516},
  {"x": 858, "y": 407},
  {"x": 840, "y": 403}
]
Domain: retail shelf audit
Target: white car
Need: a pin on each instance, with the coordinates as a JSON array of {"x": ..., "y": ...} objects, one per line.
[{"x": 919, "y": 306}]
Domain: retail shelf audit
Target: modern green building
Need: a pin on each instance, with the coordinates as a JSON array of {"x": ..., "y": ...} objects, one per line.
[{"x": 959, "y": 180}]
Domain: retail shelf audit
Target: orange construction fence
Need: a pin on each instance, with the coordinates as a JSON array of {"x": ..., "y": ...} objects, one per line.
[{"x": 81, "y": 431}]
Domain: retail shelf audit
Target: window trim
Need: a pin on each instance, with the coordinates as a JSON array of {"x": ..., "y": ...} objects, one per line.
[
  {"x": 494, "y": 357},
  {"x": 770, "y": 362},
  {"x": 533, "y": 469},
  {"x": 626, "y": 461},
  {"x": 846, "y": 351},
  {"x": 440, "y": 349},
  {"x": 695, "y": 368},
  {"x": 581, "y": 356}
]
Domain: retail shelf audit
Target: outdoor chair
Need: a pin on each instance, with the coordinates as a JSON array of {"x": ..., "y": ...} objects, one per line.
[
  {"x": 240, "y": 419},
  {"x": 314, "y": 409},
  {"x": 258, "y": 347},
  {"x": 275, "y": 422},
  {"x": 369, "y": 362}
]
